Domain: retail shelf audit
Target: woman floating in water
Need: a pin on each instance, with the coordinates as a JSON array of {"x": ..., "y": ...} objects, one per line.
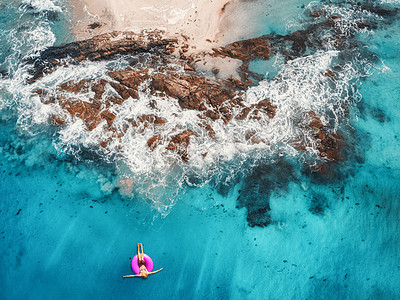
[{"x": 142, "y": 264}]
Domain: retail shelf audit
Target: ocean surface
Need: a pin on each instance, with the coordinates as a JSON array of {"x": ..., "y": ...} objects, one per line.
[{"x": 68, "y": 230}]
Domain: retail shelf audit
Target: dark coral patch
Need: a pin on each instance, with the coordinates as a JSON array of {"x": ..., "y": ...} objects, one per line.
[{"x": 258, "y": 187}]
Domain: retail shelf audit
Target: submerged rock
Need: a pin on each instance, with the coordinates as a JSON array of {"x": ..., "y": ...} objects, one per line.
[{"x": 257, "y": 188}]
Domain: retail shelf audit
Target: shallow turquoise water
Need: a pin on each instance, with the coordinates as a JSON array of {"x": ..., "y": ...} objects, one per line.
[{"x": 64, "y": 237}]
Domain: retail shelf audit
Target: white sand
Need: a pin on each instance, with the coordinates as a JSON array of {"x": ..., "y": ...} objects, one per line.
[
  {"x": 226, "y": 66},
  {"x": 199, "y": 20}
]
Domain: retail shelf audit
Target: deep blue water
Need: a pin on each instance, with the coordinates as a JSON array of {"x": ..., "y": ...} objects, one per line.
[{"x": 64, "y": 234}]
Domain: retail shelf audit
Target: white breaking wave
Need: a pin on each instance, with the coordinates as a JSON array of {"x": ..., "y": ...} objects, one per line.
[
  {"x": 389, "y": 1},
  {"x": 43, "y": 5},
  {"x": 349, "y": 17}
]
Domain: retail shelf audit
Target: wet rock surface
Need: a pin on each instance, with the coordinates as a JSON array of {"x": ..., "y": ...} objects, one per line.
[
  {"x": 247, "y": 50},
  {"x": 101, "y": 47},
  {"x": 325, "y": 142}
]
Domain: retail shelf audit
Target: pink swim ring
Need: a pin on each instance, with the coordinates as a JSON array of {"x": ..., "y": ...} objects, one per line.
[{"x": 135, "y": 264}]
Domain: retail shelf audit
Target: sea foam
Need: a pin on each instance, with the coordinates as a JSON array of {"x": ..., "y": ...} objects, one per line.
[{"x": 160, "y": 175}]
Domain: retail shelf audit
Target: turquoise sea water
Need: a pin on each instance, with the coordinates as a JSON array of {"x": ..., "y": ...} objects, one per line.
[{"x": 66, "y": 232}]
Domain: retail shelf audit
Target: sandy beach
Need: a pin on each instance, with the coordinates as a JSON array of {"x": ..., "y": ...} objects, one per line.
[{"x": 197, "y": 20}]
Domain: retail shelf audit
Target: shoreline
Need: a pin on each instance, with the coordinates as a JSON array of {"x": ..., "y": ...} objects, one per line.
[{"x": 195, "y": 22}]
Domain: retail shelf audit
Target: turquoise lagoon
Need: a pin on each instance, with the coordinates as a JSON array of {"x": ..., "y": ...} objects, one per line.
[{"x": 67, "y": 233}]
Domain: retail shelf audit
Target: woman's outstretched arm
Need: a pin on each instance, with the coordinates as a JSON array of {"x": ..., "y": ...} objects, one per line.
[
  {"x": 128, "y": 276},
  {"x": 155, "y": 271}
]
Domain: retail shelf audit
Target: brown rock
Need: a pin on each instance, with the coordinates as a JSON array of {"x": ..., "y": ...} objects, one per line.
[
  {"x": 329, "y": 73},
  {"x": 208, "y": 127},
  {"x": 193, "y": 92},
  {"x": 130, "y": 78},
  {"x": 226, "y": 114},
  {"x": 124, "y": 91},
  {"x": 246, "y": 50},
  {"x": 235, "y": 83},
  {"x": 212, "y": 115},
  {"x": 101, "y": 47},
  {"x": 108, "y": 116},
  {"x": 340, "y": 42},
  {"x": 154, "y": 142},
  {"x": 152, "y": 119},
  {"x": 215, "y": 71},
  {"x": 243, "y": 114},
  {"x": 255, "y": 110},
  {"x": 326, "y": 143},
  {"x": 267, "y": 107},
  {"x": 88, "y": 112},
  {"x": 92, "y": 112},
  {"x": 213, "y": 99},
  {"x": 180, "y": 143},
  {"x": 103, "y": 144},
  {"x": 249, "y": 134},
  {"x": 188, "y": 67},
  {"x": 71, "y": 86},
  {"x": 57, "y": 120},
  {"x": 98, "y": 88}
]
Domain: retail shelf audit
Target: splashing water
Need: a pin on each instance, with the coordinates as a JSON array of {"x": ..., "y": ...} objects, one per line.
[{"x": 299, "y": 87}]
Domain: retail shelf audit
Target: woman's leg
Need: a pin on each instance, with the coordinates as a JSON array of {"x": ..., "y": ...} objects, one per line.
[{"x": 140, "y": 253}]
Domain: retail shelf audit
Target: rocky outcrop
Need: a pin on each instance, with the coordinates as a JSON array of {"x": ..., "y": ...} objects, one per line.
[
  {"x": 324, "y": 141},
  {"x": 180, "y": 142},
  {"x": 254, "y": 111},
  {"x": 212, "y": 98},
  {"x": 320, "y": 137},
  {"x": 101, "y": 47},
  {"x": 197, "y": 93},
  {"x": 153, "y": 142},
  {"x": 246, "y": 50}
]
